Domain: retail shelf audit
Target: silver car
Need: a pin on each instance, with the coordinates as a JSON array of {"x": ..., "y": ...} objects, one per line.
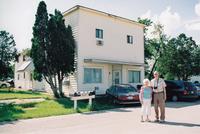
[{"x": 4, "y": 84}]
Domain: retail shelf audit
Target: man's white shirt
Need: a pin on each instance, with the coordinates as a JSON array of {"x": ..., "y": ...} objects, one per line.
[{"x": 159, "y": 83}]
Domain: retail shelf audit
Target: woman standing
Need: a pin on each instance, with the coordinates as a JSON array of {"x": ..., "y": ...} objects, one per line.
[{"x": 145, "y": 99}]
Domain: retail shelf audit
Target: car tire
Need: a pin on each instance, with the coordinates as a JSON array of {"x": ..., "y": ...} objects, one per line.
[
  {"x": 114, "y": 101},
  {"x": 174, "y": 98},
  {"x": 109, "y": 98},
  {"x": 3, "y": 86}
]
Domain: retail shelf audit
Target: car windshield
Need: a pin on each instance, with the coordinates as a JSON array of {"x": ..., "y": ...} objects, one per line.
[{"x": 126, "y": 89}]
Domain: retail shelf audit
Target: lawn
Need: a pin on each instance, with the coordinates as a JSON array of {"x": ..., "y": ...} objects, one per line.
[
  {"x": 49, "y": 107},
  {"x": 42, "y": 109},
  {"x": 6, "y": 94}
]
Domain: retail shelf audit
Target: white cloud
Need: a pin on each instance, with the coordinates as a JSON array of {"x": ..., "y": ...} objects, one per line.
[
  {"x": 193, "y": 25},
  {"x": 146, "y": 15},
  {"x": 174, "y": 24},
  {"x": 170, "y": 20},
  {"x": 197, "y": 8}
]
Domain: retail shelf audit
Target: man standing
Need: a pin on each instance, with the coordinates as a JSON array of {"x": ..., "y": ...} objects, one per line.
[{"x": 158, "y": 85}]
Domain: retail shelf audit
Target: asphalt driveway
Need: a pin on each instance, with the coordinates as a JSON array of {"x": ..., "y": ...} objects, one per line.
[{"x": 181, "y": 117}]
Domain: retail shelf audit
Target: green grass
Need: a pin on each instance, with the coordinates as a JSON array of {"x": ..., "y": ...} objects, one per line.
[
  {"x": 6, "y": 94},
  {"x": 49, "y": 107},
  {"x": 42, "y": 109}
]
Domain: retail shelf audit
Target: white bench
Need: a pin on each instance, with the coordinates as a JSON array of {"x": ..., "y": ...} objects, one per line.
[{"x": 76, "y": 98}]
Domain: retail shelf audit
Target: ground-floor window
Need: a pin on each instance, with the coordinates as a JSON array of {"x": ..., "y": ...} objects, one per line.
[
  {"x": 92, "y": 75},
  {"x": 134, "y": 76},
  {"x": 18, "y": 76}
]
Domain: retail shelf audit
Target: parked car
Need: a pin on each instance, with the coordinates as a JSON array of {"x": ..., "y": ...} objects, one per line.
[
  {"x": 4, "y": 84},
  {"x": 123, "y": 94},
  {"x": 11, "y": 82},
  {"x": 139, "y": 87},
  {"x": 198, "y": 88},
  {"x": 177, "y": 90}
]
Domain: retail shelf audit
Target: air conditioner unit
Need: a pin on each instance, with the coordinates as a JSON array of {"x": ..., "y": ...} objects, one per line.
[{"x": 99, "y": 42}]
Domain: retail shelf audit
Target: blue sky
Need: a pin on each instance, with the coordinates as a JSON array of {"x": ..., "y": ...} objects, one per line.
[{"x": 18, "y": 16}]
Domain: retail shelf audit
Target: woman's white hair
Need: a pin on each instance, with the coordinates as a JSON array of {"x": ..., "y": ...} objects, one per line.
[{"x": 146, "y": 80}]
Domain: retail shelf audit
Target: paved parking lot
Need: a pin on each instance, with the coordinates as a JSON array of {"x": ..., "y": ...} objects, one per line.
[{"x": 181, "y": 117}]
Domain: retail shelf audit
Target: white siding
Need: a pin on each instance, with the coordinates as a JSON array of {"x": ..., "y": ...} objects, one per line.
[
  {"x": 26, "y": 83},
  {"x": 115, "y": 47},
  {"x": 106, "y": 78},
  {"x": 84, "y": 23},
  {"x": 72, "y": 19},
  {"x": 114, "y": 37}
]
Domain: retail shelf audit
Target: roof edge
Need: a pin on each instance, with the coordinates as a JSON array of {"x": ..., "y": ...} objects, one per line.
[{"x": 101, "y": 12}]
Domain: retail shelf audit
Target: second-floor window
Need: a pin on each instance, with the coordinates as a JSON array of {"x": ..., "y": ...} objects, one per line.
[
  {"x": 129, "y": 39},
  {"x": 99, "y": 33}
]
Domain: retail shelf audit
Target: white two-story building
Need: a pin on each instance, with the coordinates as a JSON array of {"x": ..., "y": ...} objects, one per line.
[{"x": 109, "y": 49}]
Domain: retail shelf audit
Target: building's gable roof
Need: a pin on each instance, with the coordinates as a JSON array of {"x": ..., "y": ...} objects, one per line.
[
  {"x": 24, "y": 65},
  {"x": 102, "y": 13}
]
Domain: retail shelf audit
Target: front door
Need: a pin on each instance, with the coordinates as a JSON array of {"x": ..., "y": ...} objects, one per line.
[{"x": 116, "y": 76}]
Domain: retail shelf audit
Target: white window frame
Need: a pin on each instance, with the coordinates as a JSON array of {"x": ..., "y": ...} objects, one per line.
[
  {"x": 129, "y": 39},
  {"x": 134, "y": 71},
  {"x": 100, "y": 33},
  {"x": 101, "y": 81}
]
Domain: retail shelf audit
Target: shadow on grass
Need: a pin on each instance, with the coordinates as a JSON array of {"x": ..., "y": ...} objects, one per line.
[
  {"x": 69, "y": 104},
  {"x": 8, "y": 113},
  {"x": 180, "y": 124},
  {"x": 65, "y": 102}
]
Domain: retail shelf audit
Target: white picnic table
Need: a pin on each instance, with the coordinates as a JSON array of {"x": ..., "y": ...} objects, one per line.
[{"x": 85, "y": 97}]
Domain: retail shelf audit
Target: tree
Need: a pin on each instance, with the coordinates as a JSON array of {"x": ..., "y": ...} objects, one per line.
[
  {"x": 147, "y": 47},
  {"x": 197, "y": 61},
  {"x": 181, "y": 58},
  {"x": 158, "y": 47},
  {"x": 26, "y": 52},
  {"x": 154, "y": 47},
  {"x": 147, "y": 23},
  {"x": 53, "y": 48},
  {"x": 60, "y": 50},
  {"x": 7, "y": 54},
  {"x": 39, "y": 43}
]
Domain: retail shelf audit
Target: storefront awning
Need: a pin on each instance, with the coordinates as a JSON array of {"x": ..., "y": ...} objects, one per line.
[{"x": 102, "y": 61}]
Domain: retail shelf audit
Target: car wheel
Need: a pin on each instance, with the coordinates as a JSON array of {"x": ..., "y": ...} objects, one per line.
[
  {"x": 4, "y": 86},
  {"x": 109, "y": 98},
  {"x": 174, "y": 98},
  {"x": 114, "y": 101}
]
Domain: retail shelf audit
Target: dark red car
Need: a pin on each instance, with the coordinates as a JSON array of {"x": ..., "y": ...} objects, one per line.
[
  {"x": 123, "y": 94},
  {"x": 178, "y": 90}
]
